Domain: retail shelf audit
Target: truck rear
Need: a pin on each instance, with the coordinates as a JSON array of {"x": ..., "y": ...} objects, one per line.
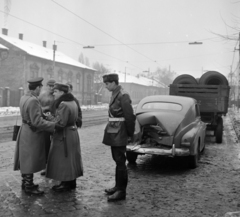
[{"x": 212, "y": 99}]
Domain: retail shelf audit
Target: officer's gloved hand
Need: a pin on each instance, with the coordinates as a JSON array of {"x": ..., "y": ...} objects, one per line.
[
  {"x": 58, "y": 127},
  {"x": 79, "y": 123}
]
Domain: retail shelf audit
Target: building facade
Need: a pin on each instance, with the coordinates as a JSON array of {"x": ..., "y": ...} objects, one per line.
[{"x": 25, "y": 60}]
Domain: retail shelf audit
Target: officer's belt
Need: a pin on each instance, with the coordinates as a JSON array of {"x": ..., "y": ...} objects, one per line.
[
  {"x": 25, "y": 122},
  {"x": 116, "y": 119}
]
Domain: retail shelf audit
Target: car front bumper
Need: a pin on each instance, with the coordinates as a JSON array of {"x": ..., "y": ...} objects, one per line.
[{"x": 158, "y": 151}]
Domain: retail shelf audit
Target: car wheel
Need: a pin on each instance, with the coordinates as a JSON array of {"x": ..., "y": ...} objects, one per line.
[
  {"x": 131, "y": 157},
  {"x": 219, "y": 130},
  {"x": 194, "y": 159}
]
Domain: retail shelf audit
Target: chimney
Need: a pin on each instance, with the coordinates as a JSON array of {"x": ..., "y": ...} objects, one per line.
[
  {"x": 20, "y": 36},
  {"x": 44, "y": 43},
  {"x": 4, "y": 31}
]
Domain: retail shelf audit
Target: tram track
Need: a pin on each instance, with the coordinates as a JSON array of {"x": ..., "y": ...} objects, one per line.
[{"x": 90, "y": 118}]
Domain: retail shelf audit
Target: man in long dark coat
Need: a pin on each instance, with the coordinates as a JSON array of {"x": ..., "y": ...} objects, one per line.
[
  {"x": 118, "y": 130},
  {"x": 46, "y": 100},
  {"x": 30, "y": 149},
  {"x": 64, "y": 160}
]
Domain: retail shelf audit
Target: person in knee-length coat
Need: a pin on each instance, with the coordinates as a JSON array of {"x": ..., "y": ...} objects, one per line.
[
  {"x": 65, "y": 161},
  {"x": 30, "y": 149}
]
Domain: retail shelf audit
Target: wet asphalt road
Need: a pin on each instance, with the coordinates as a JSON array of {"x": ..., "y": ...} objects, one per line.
[{"x": 157, "y": 186}]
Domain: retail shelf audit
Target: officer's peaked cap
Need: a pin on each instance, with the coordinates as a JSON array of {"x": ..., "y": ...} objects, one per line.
[
  {"x": 110, "y": 78},
  {"x": 61, "y": 87},
  {"x": 51, "y": 82},
  {"x": 35, "y": 81}
]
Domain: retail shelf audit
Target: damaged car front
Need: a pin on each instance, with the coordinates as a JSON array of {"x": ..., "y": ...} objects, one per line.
[{"x": 168, "y": 126}]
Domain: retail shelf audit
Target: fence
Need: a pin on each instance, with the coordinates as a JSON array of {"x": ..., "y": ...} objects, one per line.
[{"x": 10, "y": 97}]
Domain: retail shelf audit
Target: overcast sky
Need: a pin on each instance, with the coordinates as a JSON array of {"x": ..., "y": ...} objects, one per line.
[{"x": 136, "y": 35}]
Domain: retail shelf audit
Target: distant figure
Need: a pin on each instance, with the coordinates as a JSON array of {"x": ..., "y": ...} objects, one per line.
[
  {"x": 119, "y": 129},
  {"x": 30, "y": 150},
  {"x": 46, "y": 100},
  {"x": 64, "y": 160},
  {"x": 79, "y": 119}
]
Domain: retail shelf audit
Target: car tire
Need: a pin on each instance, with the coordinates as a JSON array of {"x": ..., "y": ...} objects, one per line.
[
  {"x": 131, "y": 157},
  {"x": 219, "y": 131},
  {"x": 194, "y": 159}
]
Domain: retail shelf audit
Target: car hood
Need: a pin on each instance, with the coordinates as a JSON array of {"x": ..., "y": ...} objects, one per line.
[{"x": 168, "y": 121}]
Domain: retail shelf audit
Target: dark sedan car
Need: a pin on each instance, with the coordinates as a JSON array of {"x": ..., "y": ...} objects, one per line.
[{"x": 170, "y": 126}]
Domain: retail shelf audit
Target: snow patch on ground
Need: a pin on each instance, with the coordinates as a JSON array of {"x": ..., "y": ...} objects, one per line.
[{"x": 12, "y": 111}]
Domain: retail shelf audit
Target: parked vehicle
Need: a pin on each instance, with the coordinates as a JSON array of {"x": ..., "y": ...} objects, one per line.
[
  {"x": 169, "y": 126},
  {"x": 212, "y": 95}
]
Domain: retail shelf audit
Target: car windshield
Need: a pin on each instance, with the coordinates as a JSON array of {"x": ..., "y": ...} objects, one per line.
[{"x": 162, "y": 106}]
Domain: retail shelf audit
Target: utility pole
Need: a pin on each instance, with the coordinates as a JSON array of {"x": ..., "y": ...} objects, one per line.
[
  {"x": 125, "y": 75},
  {"x": 238, "y": 74},
  {"x": 54, "y": 51}
]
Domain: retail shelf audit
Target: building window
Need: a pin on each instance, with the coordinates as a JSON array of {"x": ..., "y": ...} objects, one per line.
[
  {"x": 89, "y": 83},
  {"x": 34, "y": 69},
  {"x": 78, "y": 78},
  {"x": 50, "y": 73},
  {"x": 69, "y": 77},
  {"x": 60, "y": 75}
]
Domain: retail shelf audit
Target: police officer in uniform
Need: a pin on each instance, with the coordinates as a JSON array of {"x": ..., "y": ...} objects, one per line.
[
  {"x": 65, "y": 160},
  {"x": 30, "y": 149},
  {"x": 117, "y": 132}
]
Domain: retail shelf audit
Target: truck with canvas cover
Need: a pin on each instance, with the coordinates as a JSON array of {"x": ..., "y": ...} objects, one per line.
[{"x": 211, "y": 91}]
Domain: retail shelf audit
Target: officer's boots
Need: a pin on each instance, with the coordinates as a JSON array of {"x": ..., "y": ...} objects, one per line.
[
  {"x": 110, "y": 191},
  {"x": 120, "y": 193},
  {"x": 24, "y": 181},
  {"x": 30, "y": 188}
]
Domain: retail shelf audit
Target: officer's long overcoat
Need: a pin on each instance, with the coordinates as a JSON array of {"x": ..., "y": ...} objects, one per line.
[
  {"x": 30, "y": 148},
  {"x": 119, "y": 106},
  {"x": 65, "y": 165}
]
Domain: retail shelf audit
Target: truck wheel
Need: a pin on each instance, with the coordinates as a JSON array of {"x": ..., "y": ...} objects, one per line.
[
  {"x": 219, "y": 130},
  {"x": 131, "y": 157},
  {"x": 194, "y": 159}
]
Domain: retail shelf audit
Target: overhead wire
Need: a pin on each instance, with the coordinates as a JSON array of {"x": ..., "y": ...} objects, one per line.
[{"x": 101, "y": 30}]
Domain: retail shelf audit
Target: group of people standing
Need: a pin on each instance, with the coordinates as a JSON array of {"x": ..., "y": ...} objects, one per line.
[{"x": 48, "y": 139}]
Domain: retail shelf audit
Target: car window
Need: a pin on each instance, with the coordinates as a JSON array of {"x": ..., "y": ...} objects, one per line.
[{"x": 162, "y": 106}]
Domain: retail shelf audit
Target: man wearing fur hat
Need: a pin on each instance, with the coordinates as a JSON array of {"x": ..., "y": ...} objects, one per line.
[
  {"x": 118, "y": 130},
  {"x": 46, "y": 100},
  {"x": 64, "y": 160}
]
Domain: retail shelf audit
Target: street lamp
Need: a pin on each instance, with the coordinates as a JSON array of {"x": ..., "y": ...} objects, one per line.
[
  {"x": 195, "y": 43},
  {"x": 87, "y": 47}
]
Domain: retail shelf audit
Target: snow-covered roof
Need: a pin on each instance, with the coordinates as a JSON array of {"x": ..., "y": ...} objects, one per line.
[
  {"x": 138, "y": 80},
  {"x": 3, "y": 47},
  {"x": 43, "y": 52}
]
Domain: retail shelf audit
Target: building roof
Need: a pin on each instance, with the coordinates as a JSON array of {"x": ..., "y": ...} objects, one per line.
[
  {"x": 43, "y": 52},
  {"x": 138, "y": 80}
]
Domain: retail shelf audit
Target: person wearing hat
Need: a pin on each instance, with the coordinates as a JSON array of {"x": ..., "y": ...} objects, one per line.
[
  {"x": 79, "y": 120},
  {"x": 46, "y": 100},
  {"x": 119, "y": 129},
  {"x": 29, "y": 155},
  {"x": 65, "y": 160}
]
